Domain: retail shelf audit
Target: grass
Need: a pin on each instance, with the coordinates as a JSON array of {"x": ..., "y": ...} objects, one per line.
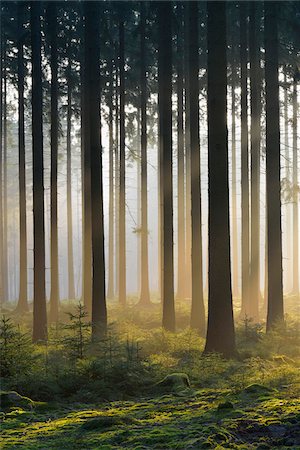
[{"x": 113, "y": 398}]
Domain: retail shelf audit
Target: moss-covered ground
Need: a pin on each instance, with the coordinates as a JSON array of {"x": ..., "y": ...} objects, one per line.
[{"x": 117, "y": 401}]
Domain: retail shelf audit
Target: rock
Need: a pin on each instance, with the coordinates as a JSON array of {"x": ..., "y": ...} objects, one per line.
[
  {"x": 175, "y": 380},
  {"x": 9, "y": 399},
  {"x": 257, "y": 389}
]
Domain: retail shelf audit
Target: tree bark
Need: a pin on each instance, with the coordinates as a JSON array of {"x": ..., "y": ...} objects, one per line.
[
  {"x": 86, "y": 188},
  {"x": 244, "y": 163},
  {"x": 180, "y": 164},
  {"x": 220, "y": 332},
  {"x": 111, "y": 271},
  {"x": 197, "y": 311},
  {"x": 188, "y": 230},
  {"x": 165, "y": 136},
  {"x": 145, "y": 293},
  {"x": 295, "y": 194},
  {"x": 2, "y": 282},
  {"x": 39, "y": 296},
  {"x": 22, "y": 302},
  {"x": 93, "y": 147},
  {"x": 54, "y": 292},
  {"x": 71, "y": 283},
  {"x": 255, "y": 163},
  {"x": 122, "y": 204},
  {"x": 275, "y": 289}
]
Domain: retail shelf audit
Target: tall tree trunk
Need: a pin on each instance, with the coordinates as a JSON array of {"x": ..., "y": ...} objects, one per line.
[
  {"x": 180, "y": 164},
  {"x": 188, "y": 230},
  {"x": 71, "y": 283},
  {"x": 197, "y": 312},
  {"x": 111, "y": 271},
  {"x": 39, "y": 285},
  {"x": 92, "y": 99},
  {"x": 22, "y": 302},
  {"x": 145, "y": 294},
  {"x": 275, "y": 294},
  {"x": 2, "y": 282},
  {"x": 165, "y": 135},
  {"x": 86, "y": 188},
  {"x": 117, "y": 184},
  {"x": 5, "y": 218},
  {"x": 295, "y": 194},
  {"x": 220, "y": 332},
  {"x": 244, "y": 163},
  {"x": 235, "y": 274},
  {"x": 122, "y": 204},
  {"x": 289, "y": 246},
  {"x": 255, "y": 163},
  {"x": 54, "y": 292}
]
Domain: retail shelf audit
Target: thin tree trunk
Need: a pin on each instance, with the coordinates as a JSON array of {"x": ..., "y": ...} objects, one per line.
[
  {"x": 5, "y": 243},
  {"x": 117, "y": 185},
  {"x": 244, "y": 162},
  {"x": 22, "y": 302},
  {"x": 197, "y": 312},
  {"x": 145, "y": 294},
  {"x": 180, "y": 165},
  {"x": 2, "y": 282},
  {"x": 165, "y": 131},
  {"x": 122, "y": 225},
  {"x": 86, "y": 185},
  {"x": 275, "y": 294},
  {"x": 289, "y": 246},
  {"x": 54, "y": 292},
  {"x": 71, "y": 283},
  {"x": 111, "y": 272},
  {"x": 92, "y": 100},
  {"x": 295, "y": 194},
  {"x": 188, "y": 224},
  {"x": 255, "y": 164},
  {"x": 39, "y": 285},
  {"x": 235, "y": 274},
  {"x": 220, "y": 332}
]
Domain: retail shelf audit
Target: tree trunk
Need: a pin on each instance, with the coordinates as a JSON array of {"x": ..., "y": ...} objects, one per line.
[
  {"x": 165, "y": 135},
  {"x": 71, "y": 283},
  {"x": 255, "y": 163},
  {"x": 220, "y": 333},
  {"x": 22, "y": 302},
  {"x": 197, "y": 312},
  {"x": 235, "y": 274},
  {"x": 5, "y": 243},
  {"x": 54, "y": 292},
  {"x": 39, "y": 297},
  {"x": 145, "y": 294},
  {"x": 122, "y": 204},
  {"x": 289, "y": 243},
  {"x": 86, "y": 188},
  {"x": 180, "y": 164},
  {"x": 245, "y": 312},
  {"x": 111, "y": 271},
  {"x": 117, "y": 184},
  {"x": 188, "y": 229},
  {"x": 92, "y": 99},
  {"x": 275, "y": 294},
  {"x": 295, "y": 194},
  {"x": 2, "y": 282}
]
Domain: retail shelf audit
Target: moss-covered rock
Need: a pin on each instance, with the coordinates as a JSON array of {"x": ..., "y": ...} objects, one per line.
[
  {"x": 175, "y": 381},
  {"x": 258, "y": 389},
  {"x": 9, "y": 399}
]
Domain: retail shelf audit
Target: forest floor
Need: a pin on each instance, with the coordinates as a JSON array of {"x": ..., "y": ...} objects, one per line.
[{"x": 144, "y": 402}]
